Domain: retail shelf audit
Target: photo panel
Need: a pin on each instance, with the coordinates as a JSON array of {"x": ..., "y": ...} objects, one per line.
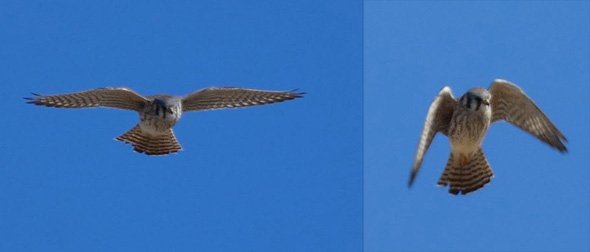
[
  {"x": 538, "y": 198},
  {"x": 285, "y": 176}
]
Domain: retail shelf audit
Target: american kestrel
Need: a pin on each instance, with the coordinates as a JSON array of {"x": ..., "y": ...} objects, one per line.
[
  {"x": 153, "y": 135},
  {"x": 465, "y": 123}
]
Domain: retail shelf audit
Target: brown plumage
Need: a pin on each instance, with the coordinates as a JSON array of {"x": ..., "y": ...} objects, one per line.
[
  {"x": 467, "y": 174},
  {"x": 142, "y": 142},
  {"x": 466, "y": 121},
  {"x": 159, "y": 113},
  {"x": 511, "y": 104}
]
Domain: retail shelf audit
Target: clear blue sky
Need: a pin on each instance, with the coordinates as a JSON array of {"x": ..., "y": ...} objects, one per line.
[
  {"x": 281, "y": 177},
  {"x": 289, "y": 176},
  {"x": 539, "y": 199}
]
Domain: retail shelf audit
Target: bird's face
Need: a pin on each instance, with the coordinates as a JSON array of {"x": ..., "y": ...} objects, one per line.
[
  {"x": 161, "y": 106},
  {"x": 476, "y": 99}
]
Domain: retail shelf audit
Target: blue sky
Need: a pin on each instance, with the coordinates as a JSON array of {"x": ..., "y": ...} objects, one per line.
[
  {"x": 539, "y": 199},
  {"x": 281, "y": 177},
  {"x": 289, "y": 176}
]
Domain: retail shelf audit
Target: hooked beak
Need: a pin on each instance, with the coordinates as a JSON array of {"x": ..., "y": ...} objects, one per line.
[{"x": 486, "y": 102}]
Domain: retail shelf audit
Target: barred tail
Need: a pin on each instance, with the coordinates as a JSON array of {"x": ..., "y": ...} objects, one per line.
[
  {"x": 163, "y": 144},
  {"x": 467, "y": 178}
]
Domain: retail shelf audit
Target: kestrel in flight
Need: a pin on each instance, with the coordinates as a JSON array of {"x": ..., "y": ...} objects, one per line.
[
  {"x": 153, "y": 135},
  {"x": 466, "y": 121}
]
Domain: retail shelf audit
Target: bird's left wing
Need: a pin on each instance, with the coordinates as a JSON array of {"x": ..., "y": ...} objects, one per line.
[
  {"x": 511, "y": 104},
  {"x": 232, "y": 97},
  {"x": 121, "y": 98},
  {"x": 437, "y": 120}
]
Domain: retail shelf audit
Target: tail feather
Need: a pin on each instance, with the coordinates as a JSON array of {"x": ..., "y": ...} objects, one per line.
[
  {"x": 468, "y": 178},
  {"x": 151, "y": 145}
]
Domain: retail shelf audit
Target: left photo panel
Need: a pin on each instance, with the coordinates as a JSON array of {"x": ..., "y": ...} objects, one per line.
[{"x": 183, "y": 126}]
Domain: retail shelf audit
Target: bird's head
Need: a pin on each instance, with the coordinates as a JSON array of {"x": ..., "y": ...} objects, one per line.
[
  {"x": 163, "y": 105},
  {"x": 476, "y": 98}
]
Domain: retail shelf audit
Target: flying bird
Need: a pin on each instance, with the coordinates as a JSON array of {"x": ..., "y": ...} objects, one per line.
[
  {"x": 153, "y": 135},
  {"x": 466, "y": 121}
]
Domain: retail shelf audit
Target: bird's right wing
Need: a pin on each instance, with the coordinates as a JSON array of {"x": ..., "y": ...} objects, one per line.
[
  {"x": 121, "y": 98},
  {"x": 437, "y": 120}
]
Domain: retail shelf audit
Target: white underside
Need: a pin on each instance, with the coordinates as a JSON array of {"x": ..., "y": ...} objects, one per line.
[
  {"x": 155, "y": 125},
  {"x": 464, "y": 148},
  {"x": 464, "y": 145},
  {"x": 148, "y": 129}
]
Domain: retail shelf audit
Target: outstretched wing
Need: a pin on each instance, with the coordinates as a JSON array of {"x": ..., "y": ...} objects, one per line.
[
  {"x": 231, "y": 97},
  {"x": 437, "y": 120},
  {"x": 121, "y": 98},
  {"x": 511, "y": 104}
]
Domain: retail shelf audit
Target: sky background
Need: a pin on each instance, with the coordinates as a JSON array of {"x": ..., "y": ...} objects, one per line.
[
  {"x": 539, "y": 199},
  {"x": 288, "y": 176},
  {"x": 280, "y": 177}
]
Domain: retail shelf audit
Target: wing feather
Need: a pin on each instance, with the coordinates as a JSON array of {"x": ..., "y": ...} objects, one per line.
[
  {"x": 233, "y": 97},
  {"x": 511, "y": 104},
  {"x": 437, "y": 120},
  {"x": 121, "y": 98}
]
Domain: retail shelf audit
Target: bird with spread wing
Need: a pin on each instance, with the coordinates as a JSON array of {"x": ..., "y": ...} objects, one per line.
[
  {"x": 153, "y": 135},
  {"x": 466, "y": 121}
]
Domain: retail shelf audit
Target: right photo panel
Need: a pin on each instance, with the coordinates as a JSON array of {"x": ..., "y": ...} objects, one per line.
[{"x": 476, "y": 126}]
